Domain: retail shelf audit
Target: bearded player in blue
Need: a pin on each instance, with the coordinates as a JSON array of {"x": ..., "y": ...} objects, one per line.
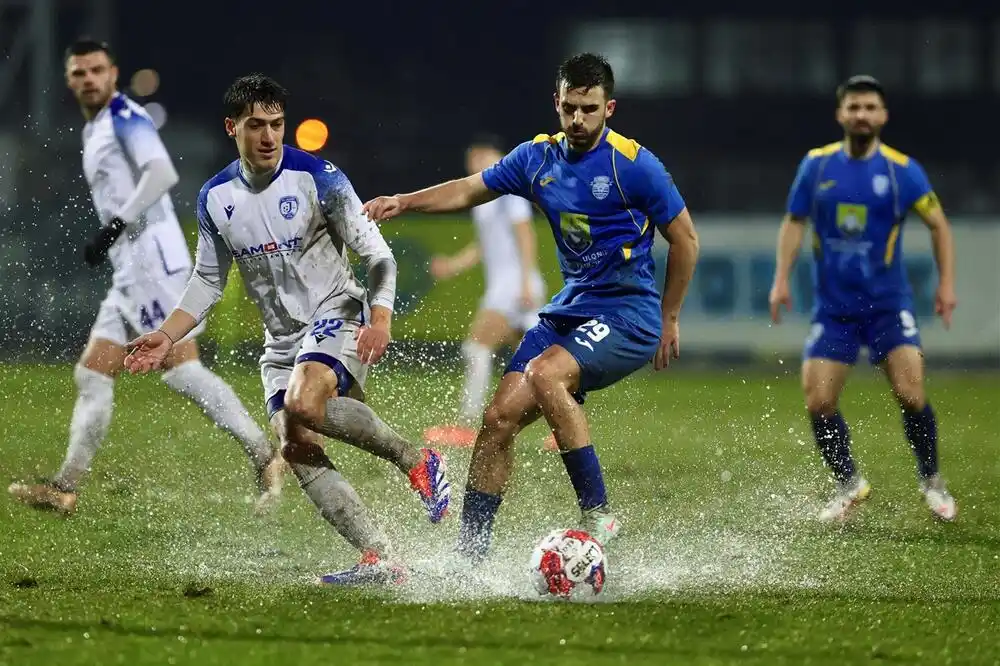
[
  {"x": 603, "y": 195},
  {"x": 857, "y": 193}
]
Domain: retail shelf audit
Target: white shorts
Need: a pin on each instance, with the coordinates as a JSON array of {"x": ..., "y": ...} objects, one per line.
[
  {"x": 138, "y": 308},
  {"x": 329, "y": 340},
  {"x": 505, "y": 298}
]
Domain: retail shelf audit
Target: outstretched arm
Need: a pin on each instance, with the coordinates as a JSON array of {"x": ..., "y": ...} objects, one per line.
[
  {"x": 508, "y": 176},
  {"x": 444, "y": 198}
]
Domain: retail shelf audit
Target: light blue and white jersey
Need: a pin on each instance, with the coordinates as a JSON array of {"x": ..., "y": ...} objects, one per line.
[
  {"x": 289, "y": 240},
  {"x": 117, "y": 144}
]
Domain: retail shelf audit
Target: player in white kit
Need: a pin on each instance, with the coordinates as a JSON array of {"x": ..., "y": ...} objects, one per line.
[
  {"x": 505, "y": 244},
  {"x": 287, "y": 218},
  {"x": 130, "y": 175}
]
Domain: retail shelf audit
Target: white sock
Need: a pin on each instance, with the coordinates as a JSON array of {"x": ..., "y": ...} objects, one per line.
[
  {"x": 478, "y": 366},
  {"x": 91, "y": 418},
  {"x": 221, "y": 404},
  {"x": 341, "y": 506}
]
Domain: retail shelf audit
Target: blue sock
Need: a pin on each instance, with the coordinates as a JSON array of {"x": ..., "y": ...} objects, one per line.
[
  {"x": 921, "y": 431},
  {"x": 585, "y": 474},
  {"x": 476, "y": 531},
  {"x": 833, "y": 438}
]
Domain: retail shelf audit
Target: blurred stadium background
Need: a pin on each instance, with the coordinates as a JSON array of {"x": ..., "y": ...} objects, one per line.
[
  {"x": 713, "y": 467},
  {"x": 729, "y": 98}
]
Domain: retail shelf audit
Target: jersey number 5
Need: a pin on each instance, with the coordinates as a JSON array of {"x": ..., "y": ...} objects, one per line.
[{"x": 594, "y": 330}]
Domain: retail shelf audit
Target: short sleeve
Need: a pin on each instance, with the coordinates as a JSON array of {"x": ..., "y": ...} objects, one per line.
[
  {"x": 800, "y": 195},
  {"x": 136, "y": 133},
  {"x": 916, "y": 192},
  {"x": 510, "y": 174},
  {"x": 653, "y": 190},
  {"x": 517, "y": 208}
]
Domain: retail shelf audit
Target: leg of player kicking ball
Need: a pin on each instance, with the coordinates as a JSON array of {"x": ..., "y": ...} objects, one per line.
[
  {"x": 336, "y": 499},
  {"x": 822, "y": 381},
  {"x": 512, "y": 409},
  {"x": 554, "y": 377},
  {"x": 94, "y": 377},
  {"x": 186, "y": 375},
  {"x": 904, "y": 367}
]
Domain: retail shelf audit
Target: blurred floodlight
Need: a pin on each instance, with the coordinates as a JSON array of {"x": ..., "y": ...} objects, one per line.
[
  {"x": 311, "y": 134},
  {"x": 145, "y": 82}
]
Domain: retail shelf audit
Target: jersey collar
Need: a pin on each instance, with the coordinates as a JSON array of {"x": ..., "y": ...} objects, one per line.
[{"x": 274, "y": 176}]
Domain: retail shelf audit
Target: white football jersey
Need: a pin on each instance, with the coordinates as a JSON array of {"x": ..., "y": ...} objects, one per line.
[
  {"x": 117, "y": 143},
  {"x": 495, "y": 222},
  {"x": 290, "y": 243}
]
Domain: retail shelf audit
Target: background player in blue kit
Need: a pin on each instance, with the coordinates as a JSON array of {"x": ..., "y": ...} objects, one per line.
[
  {"x": 603, "y": 196},
  {"x": 857, "y": 193}
]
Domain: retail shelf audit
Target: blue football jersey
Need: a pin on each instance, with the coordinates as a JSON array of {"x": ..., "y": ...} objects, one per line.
[
  {"x": 857, "y": 208},
  {"x": 603, "y": 207}
]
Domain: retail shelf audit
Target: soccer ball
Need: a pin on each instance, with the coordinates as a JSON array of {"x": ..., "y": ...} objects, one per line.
[{"x": 568, "y": 564}]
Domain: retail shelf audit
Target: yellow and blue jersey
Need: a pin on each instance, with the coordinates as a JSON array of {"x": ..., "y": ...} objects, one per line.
[
  {"x": 857, "y": 208},
  {"x": 603, "y": 207}
]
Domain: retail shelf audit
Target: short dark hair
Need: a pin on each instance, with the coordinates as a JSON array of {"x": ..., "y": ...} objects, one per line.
[
  {"x": 86, "y": 46},
  {"x": 250, "y": 90},
  {"x": 485, "y": 140},
  {"x": 587, "y": 70},
  {"x": 860, "y": 83}
]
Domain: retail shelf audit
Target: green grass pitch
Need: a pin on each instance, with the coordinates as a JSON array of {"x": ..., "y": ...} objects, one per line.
[{"x": 714, "y": 476}]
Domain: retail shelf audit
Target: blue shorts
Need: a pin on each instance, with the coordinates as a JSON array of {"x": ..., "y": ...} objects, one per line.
[
  {"x": 840, "y": 338},
  {"x": 608, "y": 348}
]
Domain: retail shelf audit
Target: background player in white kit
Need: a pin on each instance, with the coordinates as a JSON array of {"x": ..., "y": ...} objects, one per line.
[
  {"x": 130, "y": 175},
  {"x": 288, "y": 218},
  {"x": 506, "y": 245}
]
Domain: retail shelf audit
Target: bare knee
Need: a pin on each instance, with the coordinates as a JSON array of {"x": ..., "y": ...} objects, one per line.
[
  {"x": 298, "y": 443},
  {"x": 910, "y": 394},
  {"x": 308, "y": 391},
  {"x": 821, "y": 399},
  {"x": 543, "y": 375}
]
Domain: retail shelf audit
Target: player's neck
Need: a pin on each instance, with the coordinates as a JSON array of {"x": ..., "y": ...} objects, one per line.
[
  {"x": 90, "y": 112},
  {"x": 258, "y": 179},
  {"x": 861, "y": 148}
]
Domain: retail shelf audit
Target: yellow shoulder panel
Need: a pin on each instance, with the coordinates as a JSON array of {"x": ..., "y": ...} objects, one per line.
[
  {"x": 545, "y": 138},
  {"x": 627, "y": 147},
  {"x": 893, "y": 155},
  {"x": 828, "y": 149}
]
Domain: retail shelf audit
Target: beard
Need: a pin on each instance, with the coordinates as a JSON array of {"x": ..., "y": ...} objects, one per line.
[{"x": 584, "y": 141}]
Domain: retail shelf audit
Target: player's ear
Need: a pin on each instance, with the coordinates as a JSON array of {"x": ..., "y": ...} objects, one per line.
[
  {"x": 230, "y": 128},
  {"x": 555, "y": 100},
  {"x": 114, "y": 76},
  {"x": 609, "y": 108}
]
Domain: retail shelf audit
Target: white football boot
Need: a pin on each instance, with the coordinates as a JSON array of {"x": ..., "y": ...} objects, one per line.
[
  {"x": 847, "y": 497},
  {"x": 601, "y": 524},
  {"x": 939, "y": 500}
]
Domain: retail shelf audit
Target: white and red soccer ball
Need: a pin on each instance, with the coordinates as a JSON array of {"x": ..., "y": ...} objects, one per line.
[{"x": 568, "y": 564}]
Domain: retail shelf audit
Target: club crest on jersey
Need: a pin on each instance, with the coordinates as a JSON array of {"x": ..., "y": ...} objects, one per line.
[
  {"x": 880, "y": 184},
  {"x": 600, "y": 187},
  {"x": 288, "y": 206}
]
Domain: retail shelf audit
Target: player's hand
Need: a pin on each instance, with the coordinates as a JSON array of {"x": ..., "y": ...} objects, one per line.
[
  {"x": 780, "y": 296},
  {"x": 945, "y": 302},
  {"x": 147, "y": 352},
  {"x": 372, "y": 343},
  {"x": 670, "y": 345},
  {"x": 441, "y": 268},
  {"x": 383, "y": 208}
]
